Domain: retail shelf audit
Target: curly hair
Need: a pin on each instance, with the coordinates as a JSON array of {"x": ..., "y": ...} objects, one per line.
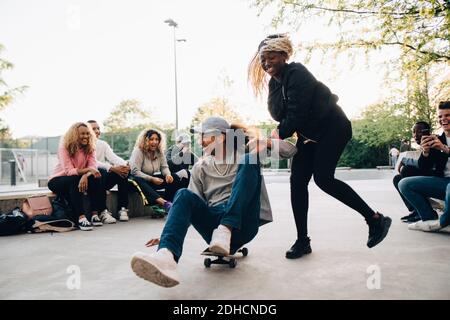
[
  {"x": 146, "y": 134},
  {"x": 71, "y": 137}
]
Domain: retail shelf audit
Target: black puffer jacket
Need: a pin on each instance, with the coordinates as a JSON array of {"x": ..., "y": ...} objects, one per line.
[
  {"x": 436, "y": 160},
  {"x": 300, "y": 102}
]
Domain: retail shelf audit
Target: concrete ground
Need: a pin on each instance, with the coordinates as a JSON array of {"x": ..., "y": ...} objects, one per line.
[{"x": 406, "y": 265}]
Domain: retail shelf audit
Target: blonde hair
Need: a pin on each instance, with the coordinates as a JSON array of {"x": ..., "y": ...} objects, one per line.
[
  {"x": 256, "y": 74},
  {"x": 71, "y": 137},
  {"x": 147, "y": 133}
]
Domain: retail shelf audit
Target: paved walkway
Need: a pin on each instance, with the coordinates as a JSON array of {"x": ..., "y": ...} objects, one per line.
[{"x": 407, "y": 265}]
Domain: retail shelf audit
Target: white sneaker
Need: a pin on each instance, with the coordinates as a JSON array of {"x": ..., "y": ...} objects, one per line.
[
  {"x": 123, "y": 214},
  {"x": 107, "y": 217},
  {"x": 96, "y": 222},
  {"x": 182, "y": 174},
  {"x": 220, "y": 241},
  {"x": 85, "y": 225},
  {"x": 427, "y": 226},
  {"x": 159, "y": 267}
]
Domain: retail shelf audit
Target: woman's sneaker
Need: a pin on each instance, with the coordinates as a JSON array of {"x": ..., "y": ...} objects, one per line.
[
  {"x": 378, "y": 229},
  {"x": 85, "y": 225},
  {"x": 167, "y": 205},
  {"x": 299, "y": 248},
  {"x": 123, "y": 214},
  {"x": 107, "y": 217},
  {"x": 96, "y": 222},
  {"x": 159, "y": 267},
  {"x": 157, "y": 212}
]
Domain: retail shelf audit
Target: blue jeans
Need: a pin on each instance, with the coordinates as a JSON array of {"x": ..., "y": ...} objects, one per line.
[
  {"x": 241, "y": 211},
  {"x": 417, "y": 189}
]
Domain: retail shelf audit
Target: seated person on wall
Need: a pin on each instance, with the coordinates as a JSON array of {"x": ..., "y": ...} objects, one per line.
[
  {"x": 150, "y": 171},
  {"x": 416, "y": 190},
  {"x": 409, "y": 167},
  {"x": 76, "y": 172},
  {"x": 224, "y": 203},
  {"x": 394, "y": 153},
  {"x": 114, "y": 171},
  {"x": 180, "y": 158}
]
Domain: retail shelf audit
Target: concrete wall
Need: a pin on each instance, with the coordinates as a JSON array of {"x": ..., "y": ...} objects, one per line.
[{"x": 136, "y": 208}]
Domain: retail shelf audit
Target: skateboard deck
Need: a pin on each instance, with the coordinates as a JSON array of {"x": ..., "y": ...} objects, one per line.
[
  {"x": 206, "y": 252},
  {"x": 221, "y": 259}
]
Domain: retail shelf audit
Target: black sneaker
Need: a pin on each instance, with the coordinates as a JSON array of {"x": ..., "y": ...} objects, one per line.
[
  {"x": 414, "y": 218},
  {"x": 378, "y": 229},
  {"x": 409, "y": 216},
  {"x": 85, "y": 225},
  {"x": 299, "y": 248}
]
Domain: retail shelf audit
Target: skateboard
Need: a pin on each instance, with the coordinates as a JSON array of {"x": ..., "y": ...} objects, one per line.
[{"x": 230, "y": 260}]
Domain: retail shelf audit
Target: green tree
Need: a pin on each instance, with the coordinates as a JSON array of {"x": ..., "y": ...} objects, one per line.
[
  {"x": 382, "y": 124},
  {"x": 128, "y": 115},
  {"x": 377, "y": 128},
  {"x": 7, "y": 94},
  {"x": 216, "y": 107},
  {"x": 420, "y": 28}
]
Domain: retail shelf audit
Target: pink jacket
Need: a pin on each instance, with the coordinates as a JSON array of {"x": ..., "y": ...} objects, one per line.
[{"x": 68, "y": 166}]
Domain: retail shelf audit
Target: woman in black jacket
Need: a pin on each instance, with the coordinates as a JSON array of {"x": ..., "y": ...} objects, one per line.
[{"x": 305, "y": 106}]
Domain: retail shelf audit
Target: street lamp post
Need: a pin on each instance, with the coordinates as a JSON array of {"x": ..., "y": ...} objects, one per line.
[{"x": 173, "y": 24}]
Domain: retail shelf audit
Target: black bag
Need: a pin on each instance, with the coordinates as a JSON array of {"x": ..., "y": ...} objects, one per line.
[
  {"x": 62, "y": 209},
  {"x": 61, "y": 219},
  {"x": 15, "y": 222}
]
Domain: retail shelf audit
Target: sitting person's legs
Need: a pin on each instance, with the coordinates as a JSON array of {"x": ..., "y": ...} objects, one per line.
[
  {"x": 109, "y": 180},
  {"x": 408, "y": 171},
  {"x": 172, "y": 188},
  {"x": 97, "y": 199},
  {"x": 149, "y": 191},
  {"x": 67, "y": 187},
  {"x": 445, "y": 218},
  {"x": 160, "y": 267},
  {"x": 233, "y": 222},
  {"x": 242, "y": 211},
  {"x": 417, "y": 190}
]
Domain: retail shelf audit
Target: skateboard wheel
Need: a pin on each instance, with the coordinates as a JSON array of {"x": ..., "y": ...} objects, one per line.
[
  {"x": 244, "y": 252},
  {"x": 207, "y": 262},
  {"x": 232, "y": 263}
]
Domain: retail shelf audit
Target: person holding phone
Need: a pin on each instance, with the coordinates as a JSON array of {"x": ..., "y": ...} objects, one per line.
[
  {"x": 417, "y": 190},
  {"x": 409, "y": 167}
]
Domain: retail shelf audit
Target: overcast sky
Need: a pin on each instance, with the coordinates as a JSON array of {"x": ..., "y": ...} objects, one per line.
[{"x": 80, "y": 58}]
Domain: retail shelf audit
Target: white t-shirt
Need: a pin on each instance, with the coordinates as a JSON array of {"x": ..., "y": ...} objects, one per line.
[{"x": 106, "y": 157}]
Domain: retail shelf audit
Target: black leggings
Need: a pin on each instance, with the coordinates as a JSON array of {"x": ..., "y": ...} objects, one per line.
[
  {"x": 67, "y": 187},
  {"x": 109, "y": 180},
  {"x": 150, "y": 192},
  {"x": 320, "y": 159}
]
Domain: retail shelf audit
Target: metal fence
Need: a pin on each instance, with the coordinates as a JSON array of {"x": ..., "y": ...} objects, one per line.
[{"x": 25, "y": 165}]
